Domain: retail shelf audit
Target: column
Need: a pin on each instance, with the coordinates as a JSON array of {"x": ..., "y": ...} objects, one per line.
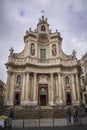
[
  {"x": 7, "y": 87},
  {"x": 63, "y": 88},
  {"x": 57, "y": 89},
  {"x": 35, "y": 88},
  {"x": 60, "y": 87},
  {"x": 27, "y": 87},
  {"x": 52, "y": 89},
  {"x": 23, "y": 87},
  {"x": 77, "y": 87},
  {"x": 73, "y": 88},
  {"x": 11, "y": 94}
]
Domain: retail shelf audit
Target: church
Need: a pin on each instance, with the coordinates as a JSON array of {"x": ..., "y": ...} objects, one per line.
[{"x": 42, "y": 73}]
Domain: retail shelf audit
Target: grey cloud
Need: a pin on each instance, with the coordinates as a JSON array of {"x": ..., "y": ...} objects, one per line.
[{"x": 16, "y": 16}]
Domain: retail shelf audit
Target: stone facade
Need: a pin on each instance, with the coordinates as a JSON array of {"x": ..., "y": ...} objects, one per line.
[
  {"x": 2, "y": 93},
  {"x": 42, "y": 72},
  {"x": 83, "y": 79}
]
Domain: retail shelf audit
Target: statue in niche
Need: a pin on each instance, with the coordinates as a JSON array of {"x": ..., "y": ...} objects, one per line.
[
  {"x": 11, "y": 51},
  {"x": 32, "y": 49},
  {"x": 18, "y": 81},
  {"x": 74, "y": 54},
  {"x": 67, "y": 81},
  {"x": 54, "y": 50}
]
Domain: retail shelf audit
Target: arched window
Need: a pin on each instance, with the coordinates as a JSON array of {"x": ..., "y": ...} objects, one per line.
[
  {"x": 18, "y": 80},
  {"x": 42, "y": 55},
  {"x": 43, "y": 28},
  {"x": 67, "y": 81}
]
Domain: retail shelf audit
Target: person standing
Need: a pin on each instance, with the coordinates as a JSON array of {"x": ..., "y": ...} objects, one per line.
[
  {"x": 75, "y": 115},
  {"x": 68, "y": 114},
  {"x": 11, "y": 116}
]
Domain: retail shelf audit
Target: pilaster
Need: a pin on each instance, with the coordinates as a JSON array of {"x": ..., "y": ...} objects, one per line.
[
  {"x": 35, "y": 90},
  {"x": 7, "y": 87},
  {"x": 77, "y": 87},
  {"x": 27, "y": 87},
  {"x": 23, "y": 88},
  {"x": 52, "y": 89},
  {"x": 73, "y": 88},
  {"x": 60, "y": 87},
  {"x": 11, "y": 89}
]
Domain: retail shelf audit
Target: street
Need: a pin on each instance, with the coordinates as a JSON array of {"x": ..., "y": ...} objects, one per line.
[{"x": 77, "y": 127}]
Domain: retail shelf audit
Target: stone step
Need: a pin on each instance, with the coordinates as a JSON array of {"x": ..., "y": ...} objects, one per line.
[{"x": 40, "y": 113}]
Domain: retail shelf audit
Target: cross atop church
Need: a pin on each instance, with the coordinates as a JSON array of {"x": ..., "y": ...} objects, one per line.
[{"x": 42, "y": 12}]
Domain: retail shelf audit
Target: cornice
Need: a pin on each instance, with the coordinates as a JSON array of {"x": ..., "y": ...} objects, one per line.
[{"x": 42, "y": 65}]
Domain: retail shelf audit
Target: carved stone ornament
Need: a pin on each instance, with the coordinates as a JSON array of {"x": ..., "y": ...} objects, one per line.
[
  {"x": 74, "y": 54},
  {"x": 54, "y": 52},
  {"x": 43, "y": 38},
  {"x": 11, "y": 51},
  {"x": 17, "y": 87}
]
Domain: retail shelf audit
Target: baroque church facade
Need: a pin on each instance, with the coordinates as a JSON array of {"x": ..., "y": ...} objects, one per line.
[
  {"x": 83, "y": 78},
  {"x": 42, "y": 72}
]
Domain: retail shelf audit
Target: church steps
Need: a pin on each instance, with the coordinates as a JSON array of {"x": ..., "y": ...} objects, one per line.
[{"x": 42, "y": 113}]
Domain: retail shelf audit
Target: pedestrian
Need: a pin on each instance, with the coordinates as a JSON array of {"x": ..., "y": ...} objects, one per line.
[
  {"x": 75, "y": 115},
  {"x": 68, "y": 114},
  {"x": 11, "y": 116}
]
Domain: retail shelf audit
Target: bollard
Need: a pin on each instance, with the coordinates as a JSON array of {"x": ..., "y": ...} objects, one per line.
[
  {"x": 39, "y": 115},
  {"x": 53, "y": 115},
  {"x": 23, "y": 122}
]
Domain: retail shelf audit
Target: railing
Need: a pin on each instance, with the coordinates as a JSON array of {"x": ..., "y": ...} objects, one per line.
[
  {"x": 53, "y": 61},
  {"x": 53, "y": 121}
]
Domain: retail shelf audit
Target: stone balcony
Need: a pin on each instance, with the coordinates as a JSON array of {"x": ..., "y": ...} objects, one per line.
[{"x": 39, "y": 62}]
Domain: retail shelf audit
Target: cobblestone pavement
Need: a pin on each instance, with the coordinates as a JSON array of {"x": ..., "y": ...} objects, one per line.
[
  {"x": 79, "y": 127},
  {"x": 37, "y": 122},
  {"x": 46, "y": 122}
]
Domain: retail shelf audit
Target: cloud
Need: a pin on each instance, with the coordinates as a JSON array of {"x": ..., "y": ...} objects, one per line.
[
  {"x": 79, "y": 5},
  {"x": 16, "y": 16},
  {"x": 44, "y": 2}
]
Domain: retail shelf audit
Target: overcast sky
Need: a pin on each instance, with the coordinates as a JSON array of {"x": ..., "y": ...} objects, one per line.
[{"x": 17, "y": 16}]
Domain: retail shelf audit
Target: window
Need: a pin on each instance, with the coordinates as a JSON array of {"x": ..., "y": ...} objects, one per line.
[
  {"x": 42, "y": 54},
  {"x": 67, "y": 81},
  {"x": 18, "y": 80},
  {"x": 43, "y": 28}
]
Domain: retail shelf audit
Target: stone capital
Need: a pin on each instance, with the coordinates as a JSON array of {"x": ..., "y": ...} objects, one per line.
[
  {"x": 35, "y": 74},
  {"x": 51, "y": 74},
  {"x": 59, "y": 74}
]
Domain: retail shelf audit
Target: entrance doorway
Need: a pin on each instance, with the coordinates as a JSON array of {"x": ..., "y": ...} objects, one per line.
[
  {"x": 43, "y": 100},
  {"x": 68, "y": 99},
  {"x": 17, "y": 98},
  {"x": 85, "y": 95},
  {"x": 43, "y": 94}
]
